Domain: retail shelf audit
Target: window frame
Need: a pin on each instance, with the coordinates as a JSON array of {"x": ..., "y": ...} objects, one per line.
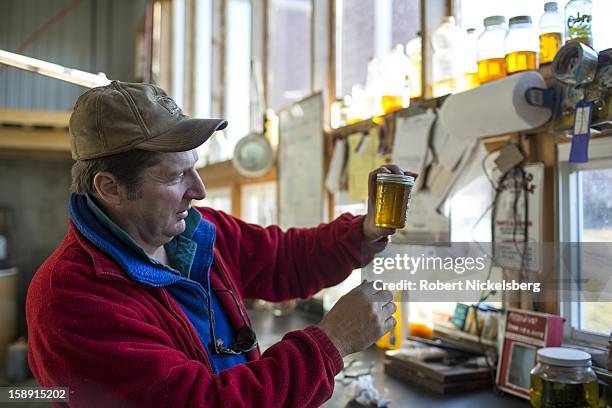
[{"x": 600, "y": 157}]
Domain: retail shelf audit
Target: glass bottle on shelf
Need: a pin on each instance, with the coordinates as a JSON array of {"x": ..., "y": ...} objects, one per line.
[
  {"x": 413, "y": 51},
  {"x": 446, "y": 41},
  {"x": 521, "y": 45},
  {"x": 491, "y": 52},
  {"x": 394, "y": 69},
  {"x": 551, "y": 32},
  {"x": 579, "y": 22},
  {"x": 469, "y": 77}
]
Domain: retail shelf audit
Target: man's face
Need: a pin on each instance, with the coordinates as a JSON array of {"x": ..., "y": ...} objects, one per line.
[{"x": 165, "y": 195}]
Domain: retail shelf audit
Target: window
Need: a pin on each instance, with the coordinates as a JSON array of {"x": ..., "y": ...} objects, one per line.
[
  {"x": 470, "y": 14},
  {"x": 585, "y": 208},
  {"x": 237, "y": 74},
  {"x": 218, "y": 199},
  {"x": 258, "y": 204},
  {"x": 360, "y": 37},
  {"x": 289, "y": 63}
]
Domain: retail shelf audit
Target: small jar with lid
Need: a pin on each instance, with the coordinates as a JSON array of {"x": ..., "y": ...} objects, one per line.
[
  {"x": 563, "y": 377},
  {"x": 491, "y": 53},
  {"x": 392, "y": 199},
  {"x": 522, "y": 45}
]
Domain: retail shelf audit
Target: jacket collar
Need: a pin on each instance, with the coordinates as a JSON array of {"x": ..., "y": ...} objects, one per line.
[{"x": 107, "y": 250}]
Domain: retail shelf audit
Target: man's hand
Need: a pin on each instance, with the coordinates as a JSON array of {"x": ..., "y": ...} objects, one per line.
[
  {"x": 359, "y": 318},
  {"x": 370, "y": 231}
]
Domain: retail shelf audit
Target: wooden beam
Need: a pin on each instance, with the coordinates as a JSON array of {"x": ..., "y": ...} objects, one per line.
[
  {"x": 21, "y": 117},
  {"x": 224, "y": 174},
  {"x": 24, "y": 139}
]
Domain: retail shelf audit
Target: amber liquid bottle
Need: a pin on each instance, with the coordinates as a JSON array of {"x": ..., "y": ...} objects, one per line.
[
  {"x": 521, "y": 61},
  {"x": 522, "y": 46},
  {"x": 552, "y": 25},
  {"x": 491, "y": 69},
  {"x": 549, "y": 45},
  {"x": 491, "y": 55}
]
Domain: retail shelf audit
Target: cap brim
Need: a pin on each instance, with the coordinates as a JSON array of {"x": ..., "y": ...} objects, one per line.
[{"x": 186, "y": 135}]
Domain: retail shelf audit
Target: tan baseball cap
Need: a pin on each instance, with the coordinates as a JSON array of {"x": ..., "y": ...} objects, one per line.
[{"x": 124, "y": 116}]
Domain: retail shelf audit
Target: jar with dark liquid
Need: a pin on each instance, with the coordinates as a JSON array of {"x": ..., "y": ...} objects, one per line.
[
  {"x": 563, "y": 377},
  {"x": 392, "y": 199}
]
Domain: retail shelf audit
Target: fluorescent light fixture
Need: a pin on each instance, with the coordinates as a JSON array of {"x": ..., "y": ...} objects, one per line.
[{"x": 53, "y": 70}]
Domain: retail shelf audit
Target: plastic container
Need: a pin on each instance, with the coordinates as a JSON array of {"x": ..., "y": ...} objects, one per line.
[
  {"x": 579, "y": 22},
  {"x": 420, "y": 320},
  {"x": 394, "y": 73},
  {"x": 551, "y": 32},
  {"x": 521, "y": 45},
  {"x": 469, "y": 57},
  {"x": 392, "y": 199},
  {"x": 393, "y": 339},
  {"x": 373, "y": 88},
  {"x": 446, "y": 42},
  {"x": 563, "y": 377},
  {"x": 491, "y": 52},
  {"x": 413, "y": 51}
]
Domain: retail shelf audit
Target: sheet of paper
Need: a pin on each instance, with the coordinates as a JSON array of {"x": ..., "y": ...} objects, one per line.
[
  {"x": 410, "y": 142},
  {"x": 423, "y": 223},
  {"x": 332, "y": 181},
  {"x": 363, "y": 157},
  {"x": 300, "y": 164}
]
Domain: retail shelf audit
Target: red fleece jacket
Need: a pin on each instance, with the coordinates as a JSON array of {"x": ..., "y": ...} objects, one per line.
[{"x": 116, "y": 342}]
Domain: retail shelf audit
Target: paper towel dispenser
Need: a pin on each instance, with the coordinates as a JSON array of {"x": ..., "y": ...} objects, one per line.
[{"x": 516, "y": 103}]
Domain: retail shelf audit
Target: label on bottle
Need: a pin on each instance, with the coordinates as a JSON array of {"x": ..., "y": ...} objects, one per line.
[{"x": 579, "y": 152}]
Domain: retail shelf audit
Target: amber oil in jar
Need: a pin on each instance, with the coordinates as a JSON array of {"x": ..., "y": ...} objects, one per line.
[{"x": 392, "y": 199}]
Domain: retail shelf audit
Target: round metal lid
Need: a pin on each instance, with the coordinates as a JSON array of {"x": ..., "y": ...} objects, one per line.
[
  {"x": 564, "y": 357},
  {"x": 395, "y": 178}
]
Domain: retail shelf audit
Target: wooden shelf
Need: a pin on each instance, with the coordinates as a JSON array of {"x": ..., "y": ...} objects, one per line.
[
  {"x": 34, "y": 118},
  {"x": 29, "y": 134}
]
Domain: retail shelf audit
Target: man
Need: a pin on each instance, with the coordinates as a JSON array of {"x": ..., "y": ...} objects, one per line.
[{"x": 141, "y": 305}]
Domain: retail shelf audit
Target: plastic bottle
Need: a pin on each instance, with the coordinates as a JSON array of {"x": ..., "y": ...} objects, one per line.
[
  {"x": 491, "y": 53},
  {"x": 579, "y": 21},
  {"x": 373, "y": 88},
  {"x": 393, "y": 339},
  {"x": 446, "y": 41},
  {"x": 551, "y": 32},
  {"x": 394, "y": 72},
  {"x": 420, "y": 320},
  {"x": 469, "y": 77},
  {"x": 521, "y": 45},
  {"x": 413, "y": 51}
]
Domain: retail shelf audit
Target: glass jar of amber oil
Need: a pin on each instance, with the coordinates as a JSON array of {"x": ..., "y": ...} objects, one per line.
[
  {"x": 392, "y": 199},
  {"x": 563, "y": 377}
]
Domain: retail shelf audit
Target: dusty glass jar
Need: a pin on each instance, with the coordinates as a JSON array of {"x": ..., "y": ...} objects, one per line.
[
  {"x": 392, "y": 199},
  {"x": 563, "y": 377}
]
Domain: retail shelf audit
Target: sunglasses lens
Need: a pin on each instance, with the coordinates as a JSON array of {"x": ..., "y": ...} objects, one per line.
[{"x": 245, "y": 339}]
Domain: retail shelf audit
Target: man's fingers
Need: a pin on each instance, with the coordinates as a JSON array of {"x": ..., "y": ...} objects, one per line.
[
  {"x": 389, "y": 308},
  {"x": 367, "y": 287},
  {"x": 389, "y": 324},
  {"x": 383, "y": 296},
  {"x": 393, "y": 168}
]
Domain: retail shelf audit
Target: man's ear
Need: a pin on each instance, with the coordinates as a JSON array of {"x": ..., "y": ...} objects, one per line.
[{"x": 107, "y": 188}]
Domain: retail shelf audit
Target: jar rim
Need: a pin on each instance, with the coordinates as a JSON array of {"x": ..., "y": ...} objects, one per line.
[
  {"x": 395, "y": 178},
  {"x": 564, "y": 357}
]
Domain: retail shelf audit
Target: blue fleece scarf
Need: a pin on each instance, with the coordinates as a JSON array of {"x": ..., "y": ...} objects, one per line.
[{"x": 189, "y": 292}]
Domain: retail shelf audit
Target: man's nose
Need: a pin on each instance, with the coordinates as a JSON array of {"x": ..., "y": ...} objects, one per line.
[{"x": 197, "y": 191}]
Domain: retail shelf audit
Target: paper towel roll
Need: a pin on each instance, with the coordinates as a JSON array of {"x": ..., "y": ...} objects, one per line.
[{"x": 494, "y": 108}]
